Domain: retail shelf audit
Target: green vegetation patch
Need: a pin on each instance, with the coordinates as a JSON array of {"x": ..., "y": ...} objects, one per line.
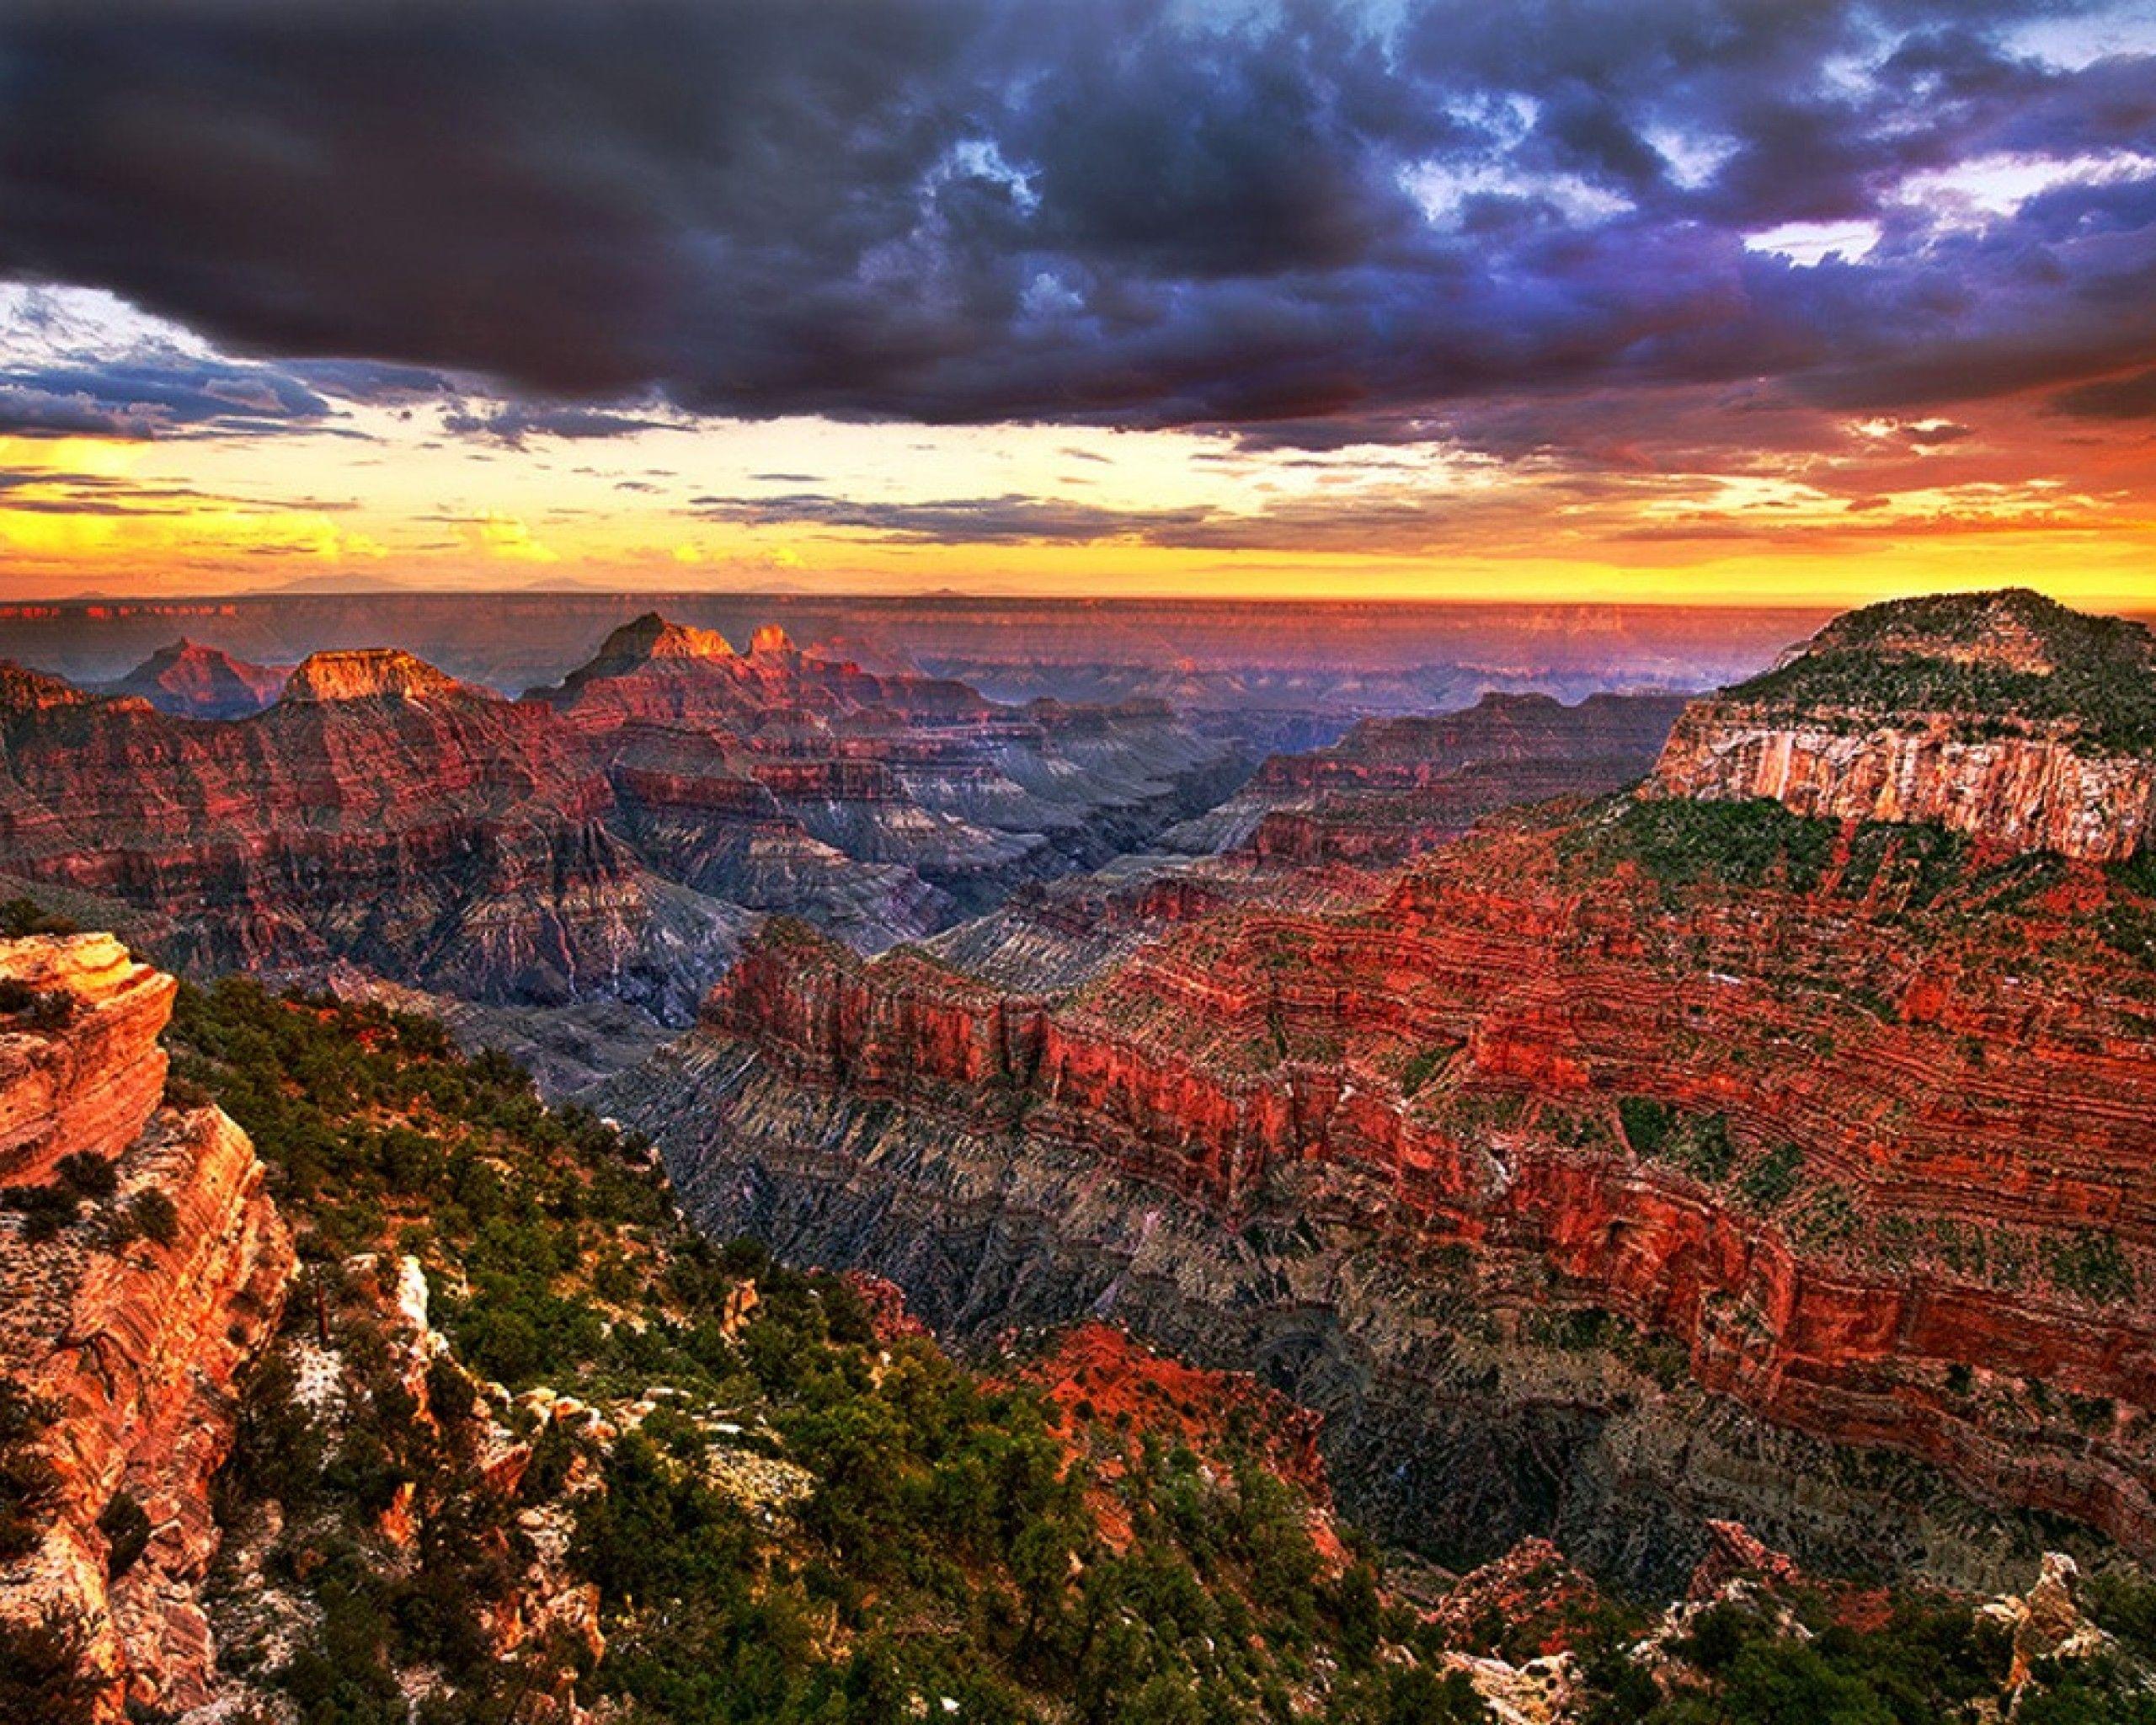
[
  {"x": 1872, "y": 664},
  {"x": 1933, "y": 1660},
  {"x": 2090, "y": 1265},
  {"x": 1697, "y": 1143},
  {"x": 955, "y": 1539},
  {"x": 1681, "y": 844},
  {"x": 1423, "y": 1064},
  {"x": 1771, "y": 1180}
]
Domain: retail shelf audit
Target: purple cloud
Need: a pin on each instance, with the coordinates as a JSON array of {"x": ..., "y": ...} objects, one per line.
[{"x": 1315, "y": 221}]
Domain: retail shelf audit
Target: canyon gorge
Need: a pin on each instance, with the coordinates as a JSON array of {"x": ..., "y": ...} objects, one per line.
[
  {"x": 1629, "y": 1163},
  {"x": 1574, "y": 1170}
]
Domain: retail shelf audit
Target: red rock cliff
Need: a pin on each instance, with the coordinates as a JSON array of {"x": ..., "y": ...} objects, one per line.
[
  {"x": 133, "y": 1339},
  {"x": 1887, "y": 1168},
  {"x": 2030, "y": 793},
  {"x": 80, "y": 1070}
]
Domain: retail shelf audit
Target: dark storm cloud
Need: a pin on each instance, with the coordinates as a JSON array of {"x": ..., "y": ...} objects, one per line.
[
  {"x": 151, "y": 397},
  {"x": 1316, "y": 222},
  {"x": 512, "y": 422},
  {"x": 376, "y": 384},
  {"x": 2112, "y": 399}
]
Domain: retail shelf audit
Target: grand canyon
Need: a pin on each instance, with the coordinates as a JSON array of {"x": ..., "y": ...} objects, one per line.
[
  {"x": 1653, "y": 1153},
  {"x": 1077, "y": 862}
]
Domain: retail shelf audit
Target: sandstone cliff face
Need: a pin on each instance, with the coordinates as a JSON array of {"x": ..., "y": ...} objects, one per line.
[
  {"x": 133, "y": 1338},
  {"x": 1884, "y": 1173},
  {"x": 368, "y": 674},
  {"x": 2025, "y": 793},
  {"x": 1999, "y": 715},
  {"x": 84, "y": 1074}
]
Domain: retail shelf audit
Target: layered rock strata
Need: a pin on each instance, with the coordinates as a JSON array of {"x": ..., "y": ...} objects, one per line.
[
  {"x": 1392, "y": 787},
  {"x": 128, "y": 1335},
  {"x": 379, "y": 813},
  {"x": 606, "y": 839},
  {"x": 1712, "y": 1184}
]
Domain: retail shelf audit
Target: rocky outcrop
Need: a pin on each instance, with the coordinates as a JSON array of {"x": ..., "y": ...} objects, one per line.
[
  {"x": 1530, "y": 1603},
  {"x": 27, "y": 693},
  {"x": 1997, "y": 714},
  {"x": 2026, "y": 792},
  {"x": 2048, "y": 1623},
  {"x": 130, "y": 1325},
  {"x": 80, "y": 1066},
  {"x": 1109, "y": 1388},
  {"x": 368, "y": 674}
]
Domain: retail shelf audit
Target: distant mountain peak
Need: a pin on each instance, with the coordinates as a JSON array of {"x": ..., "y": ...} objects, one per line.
[
  {"x": 367, "y": 674},
  {"x": 650, "y": 638},
  {"x": 201, "y": 681}
]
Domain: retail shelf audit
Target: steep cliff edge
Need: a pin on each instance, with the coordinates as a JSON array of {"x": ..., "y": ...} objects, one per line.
[
  {"x": 80, "y": 1066},
  {"x": 134, "y": 1287},
  {"x": 1998, "y": 715}
]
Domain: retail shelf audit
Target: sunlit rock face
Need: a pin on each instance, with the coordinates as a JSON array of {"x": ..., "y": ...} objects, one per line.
[
  {"x": 2001, "y": 715},
  {"x": 133, "y": 1339},
  {"x": 1723, "y": 1161},
  {"x": 379, "y": 813},
  {"x": 83, "y": 1072},
  {"x": 367, "y": 674}
]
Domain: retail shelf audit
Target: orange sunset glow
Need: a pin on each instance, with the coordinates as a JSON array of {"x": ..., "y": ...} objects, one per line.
[{"x": 1479, "y": 347}]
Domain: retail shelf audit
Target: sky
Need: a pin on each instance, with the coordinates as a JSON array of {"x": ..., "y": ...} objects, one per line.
[{"x": 1727, "y": 300}]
